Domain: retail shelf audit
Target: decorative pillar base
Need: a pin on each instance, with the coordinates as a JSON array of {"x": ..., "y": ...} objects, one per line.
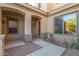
[
  {"x": 43, "y": 35},
  {"x": 2, "y": 45},
  {"x": 28, "y": 38}
]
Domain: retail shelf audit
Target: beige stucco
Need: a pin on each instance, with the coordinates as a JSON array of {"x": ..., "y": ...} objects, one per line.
[
  {"x": 47, "y": 7},
  {"x": 27, "y": 25},
  {"x": 0, "y": 21},
  {"x": 42, "y": 7},
  {"x": 43, "y": 24},
  {"x": 1, "y": 52},
  {"x": 60, "y": 37},
  {"x": 50, "y": 24},
  {"x": 1, "y": 44},
  {"x": 53, "y": 6},
  {"x": 1, "y": 47}
]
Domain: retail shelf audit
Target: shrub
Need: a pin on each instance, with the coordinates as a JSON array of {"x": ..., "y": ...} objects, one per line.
[
  {"x": 73, "y": 42},
  {"x": 77, "y": 44},
  {"x": 66, "y": 43}
]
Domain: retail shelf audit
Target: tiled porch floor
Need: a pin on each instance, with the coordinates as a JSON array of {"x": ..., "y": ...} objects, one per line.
[
  {"x": 13, "y": 43},
  {"x": 21, "y": 49},
  {"x": 36, "y": 48}
]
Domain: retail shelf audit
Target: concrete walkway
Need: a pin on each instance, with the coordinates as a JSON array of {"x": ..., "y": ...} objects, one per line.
[{"x": 47, "y": 49}]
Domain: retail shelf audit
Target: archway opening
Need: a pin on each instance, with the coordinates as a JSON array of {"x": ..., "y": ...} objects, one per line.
[
  {"x": 12, "y": 25},
  {"x": 36, "y": 26}
]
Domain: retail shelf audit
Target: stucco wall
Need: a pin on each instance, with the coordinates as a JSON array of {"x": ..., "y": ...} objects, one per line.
[
  {"x": 0, "y": 21},
  {"x": 53, "y": 6},
  {"x": 44, "y": 7},
  {"x": 1, "y": 47},
  {"x": 43, "y": 25},
  {"x": 27, "y": 24},
  {"x": 60, "y": 37}
]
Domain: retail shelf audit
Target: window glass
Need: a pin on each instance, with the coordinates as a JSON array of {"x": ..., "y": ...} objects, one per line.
[
  {"x": 39, "y": 5},
  {"x": 13, "y": 26},
  {"x": 58, "y": 25},
  {"x": 69, "y": 23}
]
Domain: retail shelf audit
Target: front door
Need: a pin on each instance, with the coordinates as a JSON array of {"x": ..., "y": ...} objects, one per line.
[{"x": 35, "y": 28}]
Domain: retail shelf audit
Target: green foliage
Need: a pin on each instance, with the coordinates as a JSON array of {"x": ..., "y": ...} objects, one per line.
[
  {"x": 50, "y": 34},
  {"x": 66, "y": 43},
  {"x": 70, "y": 25},
  {"x": 72, "y": 43},
  {"x": 77, "y": 44}
]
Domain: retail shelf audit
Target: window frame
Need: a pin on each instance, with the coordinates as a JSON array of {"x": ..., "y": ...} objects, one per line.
[
  {"x": 39, "y": 5},
  {"x": 17, "y": 25},
  {"x": 63, "y": 23},
  {"x": 54, "y": 25}
]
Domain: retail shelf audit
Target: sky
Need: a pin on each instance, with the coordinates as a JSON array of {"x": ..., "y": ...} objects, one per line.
[{"x": 69, "y": 16}]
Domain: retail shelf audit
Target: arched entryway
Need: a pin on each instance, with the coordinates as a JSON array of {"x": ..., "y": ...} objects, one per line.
[{"x": 12, "y": 24}]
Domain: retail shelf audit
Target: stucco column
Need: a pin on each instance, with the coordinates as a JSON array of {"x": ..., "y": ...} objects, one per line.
[
  {"x": 43, "y": 23},
  {"x": 1, "y": 36},
  {"x": 0, "y": 21},
  {"x": 28, "y": 34},
  {"x": 77, "y": 29}
]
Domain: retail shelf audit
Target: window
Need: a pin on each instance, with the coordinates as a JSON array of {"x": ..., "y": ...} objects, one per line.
[
  {"x": 58, "y": 25},
  {"x": 69, "y": 23},
  {"x": 39, "y": 5},
  {"x": 12, "y": 26},
  {"x": 66, "y": 24}
]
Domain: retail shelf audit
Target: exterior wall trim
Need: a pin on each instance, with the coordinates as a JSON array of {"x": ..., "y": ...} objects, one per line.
[
  {"x": 41, "y": 12},
  {"x": 32, "y": 8},
  {"x": 68, "y": 6}
]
